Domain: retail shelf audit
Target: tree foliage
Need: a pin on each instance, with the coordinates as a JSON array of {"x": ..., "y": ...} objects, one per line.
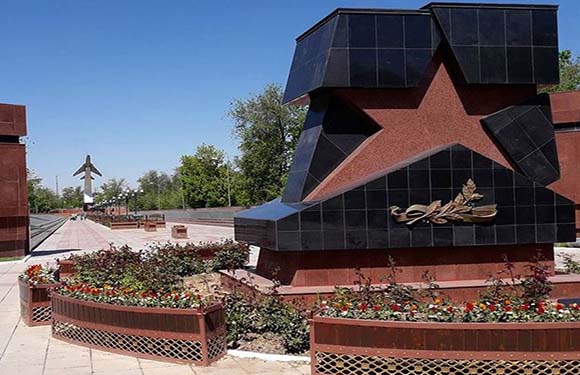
[
  {"x": 204, "y": 176},
  {"x": 112, "y": 188},
  {"x": 71, "y": 197},
  {"x": 569, "y": 73},
  {"x": 159, "y": 190},
  {"x": 40, "y": 198},
  {"x": 268, "y": 133}
]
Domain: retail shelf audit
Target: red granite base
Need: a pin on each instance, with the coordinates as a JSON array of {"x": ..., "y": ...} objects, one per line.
[
  {"x": 565, "y": 286},
  {"x": 338, "y": 267}
]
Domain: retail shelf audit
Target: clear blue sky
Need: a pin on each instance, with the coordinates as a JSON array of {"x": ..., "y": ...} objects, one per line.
[{"x": 137, "y": 84}]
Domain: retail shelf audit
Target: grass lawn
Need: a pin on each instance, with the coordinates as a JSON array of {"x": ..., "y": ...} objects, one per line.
[{"x": 8, "y": 259}]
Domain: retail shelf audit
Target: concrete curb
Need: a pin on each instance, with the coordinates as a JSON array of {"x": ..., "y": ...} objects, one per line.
[{"x": 268, "y": 357}]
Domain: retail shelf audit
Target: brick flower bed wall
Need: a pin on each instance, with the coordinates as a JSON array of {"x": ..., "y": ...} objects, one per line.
[
  {"x": 124, "y": 225},
  {"x": 66, "y": 267},
  {"x": 349, "y": 346},
  {"x": 167, "y": 334},
  {"x": 35, "y": 307}
]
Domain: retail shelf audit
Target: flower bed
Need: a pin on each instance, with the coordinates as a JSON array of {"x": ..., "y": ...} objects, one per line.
[
  {"x": 35, "y": 285},
  {"x": 353, "y": 346},
  {"x": 513, "y": 328},
  {"x": 183, "y": 335},
  {"x": 136, "y": 303}
]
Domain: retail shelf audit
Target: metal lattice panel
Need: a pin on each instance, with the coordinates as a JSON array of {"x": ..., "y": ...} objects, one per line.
[
  {"x": 339, "y": 364},
  {"x": 41, "y": 314},
  {"x": 216, "y": 346},
  {"x": 167, "y": 348}
]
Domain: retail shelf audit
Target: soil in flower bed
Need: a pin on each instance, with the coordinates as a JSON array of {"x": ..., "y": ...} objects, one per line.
[
  {"x": 203, "y": 283},
  {"x": 269, "y": 343}
]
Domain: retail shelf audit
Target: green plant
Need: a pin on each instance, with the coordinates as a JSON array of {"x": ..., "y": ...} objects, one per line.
[
  {"x": 395, "y": 292},
  {"x": 537, "y": 286},
  {"x": 230, "y": 255},
  {"x": 261, "y": 314},
  {"x": 571, "y": 265},
  {"x": 500, "y": 289}
]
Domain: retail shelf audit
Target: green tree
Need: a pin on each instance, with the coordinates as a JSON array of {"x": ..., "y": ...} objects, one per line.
[
  {"x": 159, "y": 191},
  {"x": 72, "y": 197},
  {"x": 40, "y": 198},
  {"x": 569, "y": 73},
  {"x": 268, "y": 132},
  {"x": 111, "y": 188},
  {"x": 204, "y": 176}
]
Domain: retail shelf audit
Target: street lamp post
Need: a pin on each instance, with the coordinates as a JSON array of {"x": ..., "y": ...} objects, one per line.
[{"x": 119, "y": 200}]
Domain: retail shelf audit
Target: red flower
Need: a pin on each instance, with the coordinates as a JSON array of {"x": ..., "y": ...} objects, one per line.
[
  {"x": 508, "y": 308},
  {"x": 576, "y": 307},
  {"x": 363, "y": 306},
  {"x": 525, "y": 307},
  {"x": 541, "y": 308},
  {"x": 468, "y": 307},
  {"x": 450, "y": 309},
  {"x": 395, "y": 307},
  {"x": 559, "y": 306},
  {"x": 344, "y": 308},
  {"x": 492, "y": 307},
  {"x": 376, "y": 307}
]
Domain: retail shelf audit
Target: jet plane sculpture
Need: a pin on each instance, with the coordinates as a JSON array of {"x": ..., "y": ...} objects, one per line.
[{"x": 87, "y": 168}]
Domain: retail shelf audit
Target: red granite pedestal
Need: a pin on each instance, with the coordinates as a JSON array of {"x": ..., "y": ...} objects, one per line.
[
  {"x": 460, "y": 272},
  {"x": 14, "y": 219}
]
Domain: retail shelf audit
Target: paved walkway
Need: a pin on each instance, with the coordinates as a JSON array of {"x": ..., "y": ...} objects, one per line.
[{"x": 32, "y": 351}]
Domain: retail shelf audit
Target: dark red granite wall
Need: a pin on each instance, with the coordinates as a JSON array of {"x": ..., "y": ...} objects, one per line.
[
  {"x": 565, "y": 107},
  {"x": 14, "y": 218},
  {"x": 569, "y": 157},
  {"x": 337, "y": 267}
]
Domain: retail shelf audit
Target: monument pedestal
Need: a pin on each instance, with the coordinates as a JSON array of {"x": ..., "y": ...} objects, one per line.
[{"x": 338, "y": 267}]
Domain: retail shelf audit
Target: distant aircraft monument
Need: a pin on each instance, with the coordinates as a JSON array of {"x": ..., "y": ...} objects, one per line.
[{"x": 87, "y": 168}]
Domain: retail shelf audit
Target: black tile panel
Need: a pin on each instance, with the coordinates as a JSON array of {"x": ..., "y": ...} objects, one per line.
[
  {"x": 491, "y": 27},
  {"x": 333, "y": 240},
  {"x": 391, "y": 67},
  {"x": 360, "y": 218},
  {"x": 390, "y": 31},
  {"x": 417, "y": 31},
  {"x": 493, "y": 66},
  {"x": 369, "y": 50},
  {"x": 527, "y": 136},
  {"x": 519, "y": 65},
  {"x": 377, "y": 49},
  {"x": 518, "y": 27},
  {"x": 464, "y": 26},
  {"x": 363, "y": 67},
  {"x": 332, "y": 130},
  {"x": 545, "y": 71},
  {"x": 545, "y": 28},
  {"x": 497, "y": 44}
]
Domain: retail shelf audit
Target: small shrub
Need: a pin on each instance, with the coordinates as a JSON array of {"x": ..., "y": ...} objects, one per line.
[
  {"x": 571, "y": 265},
  {"x": 266, "y": 314},
  {"x": 395, "y": 292},
  {"x": 537, "y": 286},
  {"x": 230, "y": 255}
]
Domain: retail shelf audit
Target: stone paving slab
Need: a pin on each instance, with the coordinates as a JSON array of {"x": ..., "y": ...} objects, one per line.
[{"x": 32, "y": 351}]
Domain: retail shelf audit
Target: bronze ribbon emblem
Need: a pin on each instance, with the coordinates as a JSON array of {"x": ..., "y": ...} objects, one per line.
[{"x": 461, "y": 209}]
